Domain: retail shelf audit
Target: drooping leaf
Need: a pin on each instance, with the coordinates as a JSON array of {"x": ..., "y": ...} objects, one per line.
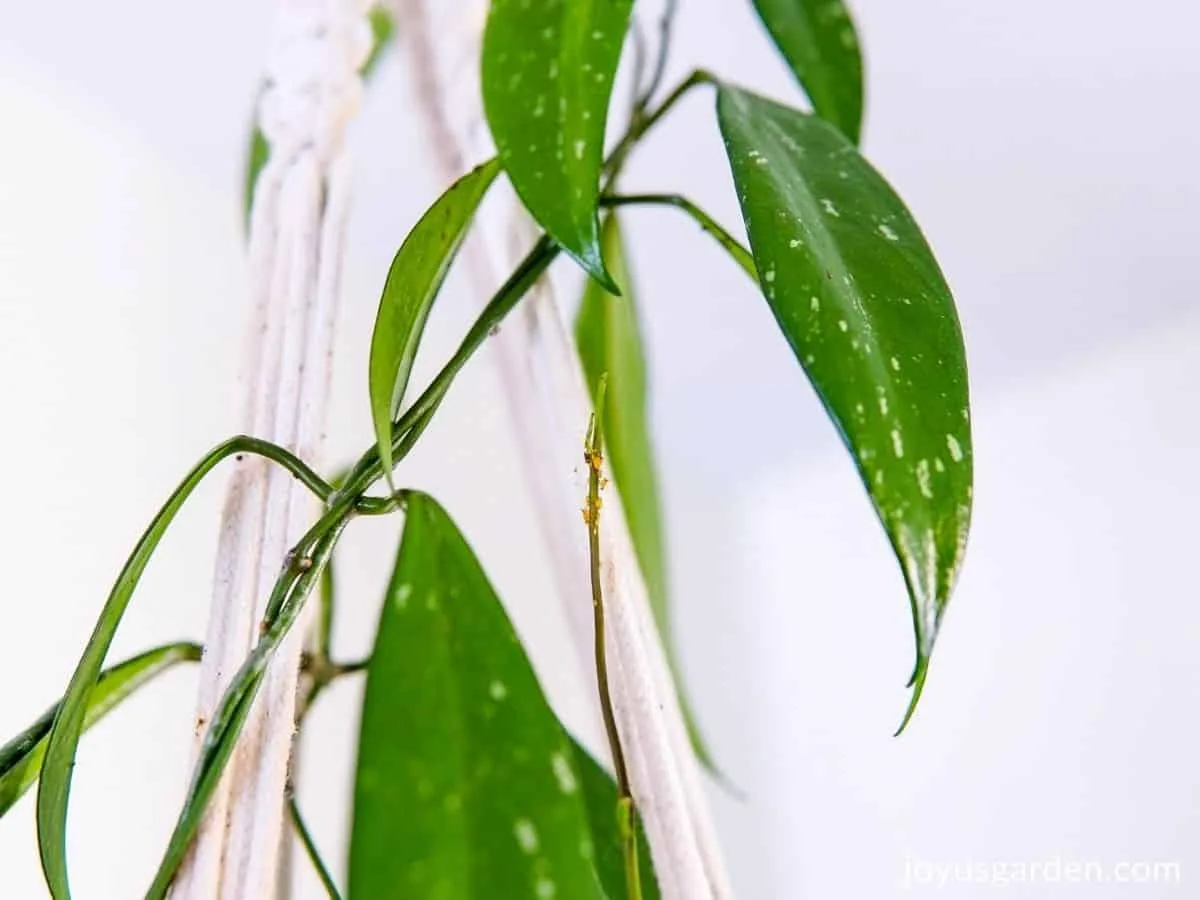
[
  {"x": 21, "y": 758},
  {"x": 609, "y": 339},
  {"x": 58, "y": 764},
  {"x": 466, "y": 783},
  {"x": 865, "y": 308},
  {"x": 548, "y": 70},
  {"x": 820, "y": 44},
  {"x": 54, "y": 788},
  {"x": 600, "y": 800},
  {"x": 383, "y": 30},
  {"x": 413, "y": 281}
]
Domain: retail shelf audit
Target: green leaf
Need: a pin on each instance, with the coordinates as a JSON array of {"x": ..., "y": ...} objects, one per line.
[
  {"x": 600, "y": 800},
  {"x": 54, "y": 789},
  {"x": 57, "y": 767},
  {"x": 548, "y": 70},
  {"x": 820, "y": 44},
  {"x": 466, "y": 783},
  {"x": 413, "y": 281},
  {"x": 383, "y": 30},
  {"x": 609, "y": 339},
  {"x": 865, "y": 308},
  {"x": 21, "y": 757}
]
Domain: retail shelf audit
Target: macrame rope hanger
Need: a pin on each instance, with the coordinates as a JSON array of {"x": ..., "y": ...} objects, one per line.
[
  {"x": 297, "y": 224},
  {"x": 312, "y": 90}
]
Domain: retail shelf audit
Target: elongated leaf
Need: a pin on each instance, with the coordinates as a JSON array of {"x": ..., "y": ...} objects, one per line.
[
  {"x": 466, "y": 784},
  {"x": 21, "y": 757},
  {"x": 54, "y": 789},
  {"x": 820, "y": 44},
  {"x": 860, "y": 298},
  {"x": 609, "y": 339},
  {"x": 383, "y": 30},
  {"x": 413, "y": 281},
  {"x": 548, "y": 70}
]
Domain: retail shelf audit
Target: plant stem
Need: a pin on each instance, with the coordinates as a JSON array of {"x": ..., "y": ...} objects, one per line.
[
  {"x": 310, "y": 847},
  {"x": 644, "y": 122},
  {"x": 731, "y": 244},
  {"x": 665, "y": 30},
  {"x": 417, "y": 417},
  {"x": 626, "y": 813}
]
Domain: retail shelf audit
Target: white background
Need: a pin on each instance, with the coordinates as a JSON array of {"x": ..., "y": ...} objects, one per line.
[{"x": 1049, "y": 150}]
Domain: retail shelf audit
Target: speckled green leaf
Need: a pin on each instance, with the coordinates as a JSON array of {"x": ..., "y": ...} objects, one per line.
[
  {"x": 21, "y": 758},
  {"x": 413, "y": 281},
  {"x": 467, "y": 787},
  {"x": 548, "y": 70},
  {"x": 818, "y": 40},
  {"x": 609, "y": 339},
  {"x": 383, "y": 29},
  {"x": 860, "y": 298}
]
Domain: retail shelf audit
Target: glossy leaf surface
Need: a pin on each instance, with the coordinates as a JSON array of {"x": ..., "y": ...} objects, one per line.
[
  {"x": 21, "y": 758},
  {"x": 865, "y": 308},
  {"x": 413, "y": 282},
  {"x": 466, "y": 783},
  {"x": 548, "y": 70},
  {"x": 820, "y": 44}
]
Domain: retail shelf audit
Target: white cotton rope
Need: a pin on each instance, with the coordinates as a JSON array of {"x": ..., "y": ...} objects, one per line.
[
  {"x": 297, "y": 224},
  {"x": 549, "y": 404}
]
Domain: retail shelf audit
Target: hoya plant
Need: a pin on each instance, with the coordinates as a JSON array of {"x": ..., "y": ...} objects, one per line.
[{"x": 466, "y": 783}]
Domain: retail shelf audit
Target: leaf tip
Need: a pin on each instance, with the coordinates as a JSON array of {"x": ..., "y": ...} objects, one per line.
[
  {"x": 917, "y": 684},
  {"x": 593, "y": 264}
]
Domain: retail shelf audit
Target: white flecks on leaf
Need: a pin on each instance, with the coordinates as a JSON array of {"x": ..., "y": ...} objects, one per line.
[
  {"x": 895, "y": 364},
  {"x": 923, "y": 479},
  {"x": 497, "y": 690},
  {"x": 403, "y": 592},
  {"x": 527, "y": 836},
  {"x": 897, "y": 444},
  {"x": 829, "y": 208},
  {"x": 954, "y": 447},
  {"x": 545, "y": 888},
  {"x": 564, "y": 774},
  {"x": 887, "y": 232}
]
